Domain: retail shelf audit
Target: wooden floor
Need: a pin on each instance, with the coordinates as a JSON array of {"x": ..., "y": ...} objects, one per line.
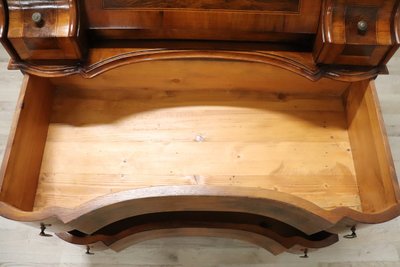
[{"x": 378, "y": 245}]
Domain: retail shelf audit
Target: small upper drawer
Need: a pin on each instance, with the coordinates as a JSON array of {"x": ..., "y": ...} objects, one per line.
[
  {"x": 45, "y": 30},
  {"x": 356, "y": 32},
  {"x": 361, "y": 25}
]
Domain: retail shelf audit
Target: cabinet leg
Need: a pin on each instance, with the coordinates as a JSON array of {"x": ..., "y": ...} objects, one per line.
[
  {"x": 353, "y": 233},
  {"x": 88, "y": 251},
  {"x": 305, "y": 256},
  {"x": 43, "y": 229}
]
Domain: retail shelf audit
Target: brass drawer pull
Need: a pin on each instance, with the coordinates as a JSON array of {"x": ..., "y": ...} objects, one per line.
[
  {"x": 362, "y": 27},
  {"x": 37, "y": 18}
]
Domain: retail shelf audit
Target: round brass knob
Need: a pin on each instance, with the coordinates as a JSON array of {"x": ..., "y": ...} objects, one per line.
[
  {"x": 362, "y": 26},
  {"x": 37, "y": 18}
]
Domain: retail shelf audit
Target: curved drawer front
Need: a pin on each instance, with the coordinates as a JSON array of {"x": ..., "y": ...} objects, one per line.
[
  {"x": 357, "y": 32},
  {"x": 46, "y": 30},
  {"x": 268, "y": 233}
]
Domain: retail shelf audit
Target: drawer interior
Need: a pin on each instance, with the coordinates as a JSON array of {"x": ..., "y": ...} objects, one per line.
[
  {"x": 77, "y": 139},
  {"x": 131, "y": 139}
]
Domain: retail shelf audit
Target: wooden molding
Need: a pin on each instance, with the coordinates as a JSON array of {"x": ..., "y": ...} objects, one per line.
[
  {"x": 103, "y": 60},
  {"x": 280, "y": 206}
]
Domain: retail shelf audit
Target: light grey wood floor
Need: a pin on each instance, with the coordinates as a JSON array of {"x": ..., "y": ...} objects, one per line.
[{"x": 377, "y": 245}]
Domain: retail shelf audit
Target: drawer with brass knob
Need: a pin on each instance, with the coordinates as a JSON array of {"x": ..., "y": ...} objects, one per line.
[
  {"x": 357, "y": 33},
  {"x": 47, "y": 30}
]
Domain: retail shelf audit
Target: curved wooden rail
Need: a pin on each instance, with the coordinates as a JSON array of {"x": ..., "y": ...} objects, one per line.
[
  {"x": 259, "y": 240},
  {"x": 103, "y": 60},
  {"x": 270, "y": 234},
  {"x": 297, "y": 212},
  {"x": 3, "y": 30}
]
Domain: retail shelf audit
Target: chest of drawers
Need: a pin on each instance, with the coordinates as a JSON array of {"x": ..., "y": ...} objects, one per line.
[{"x": 252, "y": 120}]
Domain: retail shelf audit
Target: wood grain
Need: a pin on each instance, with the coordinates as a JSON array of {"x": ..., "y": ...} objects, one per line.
[
  {"x": 269, "y": 5},
  {"x": 56, "y": 37},
  {"x": 339, "y": 40},
  {"x": 257, "y": 21},
  {"x": 377, "y": 170},
  {"x": 58, "y": 45},
  {"x": 24, "y": 151},
  {"x": 376, "y": 245},
  {"x": 164, "y": 138},
  {"x": 269, "y": 234},
  {"x": 4, "y": 30},
  {"x": 101, "y": 60},
  {"x": 157, "y": 138},
  {"x": 157, "y": 70}
]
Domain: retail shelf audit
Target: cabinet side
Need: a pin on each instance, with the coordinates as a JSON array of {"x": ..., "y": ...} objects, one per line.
[
  {"x": 376, "y": 176},
  {"x": 23, "y": 156}
]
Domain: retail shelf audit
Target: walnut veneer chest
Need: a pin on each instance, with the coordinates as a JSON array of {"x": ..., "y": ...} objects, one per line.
[{"x": 247, "y": 119}]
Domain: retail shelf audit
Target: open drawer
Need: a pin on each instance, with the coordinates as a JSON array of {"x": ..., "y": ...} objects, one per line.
[
  {"x": 270, "y": 234},
  {"x": 198, "y": 136}
]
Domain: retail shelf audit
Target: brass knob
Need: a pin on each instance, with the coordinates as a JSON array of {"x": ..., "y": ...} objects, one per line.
[
  {"x": 37, "y": 18},
  {"x": 362, "y": 26}
]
